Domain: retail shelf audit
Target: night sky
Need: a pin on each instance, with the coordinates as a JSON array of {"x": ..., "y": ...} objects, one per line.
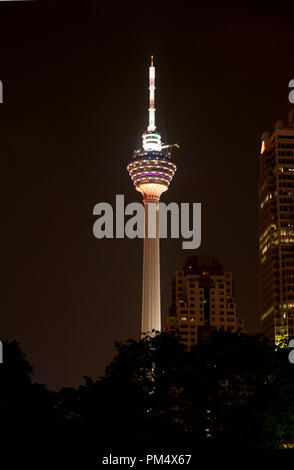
[{"x": 75, "y": 81}]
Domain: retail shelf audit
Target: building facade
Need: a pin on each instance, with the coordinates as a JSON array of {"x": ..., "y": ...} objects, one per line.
[
  {"x": 202, "y": 300},
  {"x": 276, "y": 231}
]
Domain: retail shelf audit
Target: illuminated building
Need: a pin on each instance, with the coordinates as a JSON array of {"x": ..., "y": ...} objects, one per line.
[
  {"x": 151, "y": 170},
  {"x": 276, "y": 231},
  {"x": 202, "y": 300}
]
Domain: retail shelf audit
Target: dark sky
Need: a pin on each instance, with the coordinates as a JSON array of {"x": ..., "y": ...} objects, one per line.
[{"x": 75, "y": 77}]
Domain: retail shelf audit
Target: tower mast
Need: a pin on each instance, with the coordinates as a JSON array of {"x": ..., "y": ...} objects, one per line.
[{"x": 151, "y": 109}]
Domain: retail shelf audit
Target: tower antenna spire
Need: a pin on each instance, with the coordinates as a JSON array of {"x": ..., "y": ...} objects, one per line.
[{"x": 151, "y": 126}]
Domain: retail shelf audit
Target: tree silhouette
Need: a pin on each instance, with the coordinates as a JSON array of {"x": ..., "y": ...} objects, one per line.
[{"x": 234, "y": 392}]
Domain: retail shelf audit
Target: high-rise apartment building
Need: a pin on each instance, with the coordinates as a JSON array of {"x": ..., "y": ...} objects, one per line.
[
  {"x": 202, "y": 300},
  {"x": 276, "y": 231}
]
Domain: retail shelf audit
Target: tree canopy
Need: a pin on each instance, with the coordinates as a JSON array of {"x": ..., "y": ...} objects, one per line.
[{"x": 236, "y": 391}]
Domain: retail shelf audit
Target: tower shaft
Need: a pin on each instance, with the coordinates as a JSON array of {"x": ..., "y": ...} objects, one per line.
[{"x": 151, "y": 308}]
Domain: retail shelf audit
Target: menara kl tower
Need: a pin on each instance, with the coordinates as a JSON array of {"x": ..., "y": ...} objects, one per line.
[{"x": 151, "y": 170}]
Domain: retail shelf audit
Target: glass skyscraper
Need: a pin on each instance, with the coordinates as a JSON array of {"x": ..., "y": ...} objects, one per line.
[{"x": 276, "y": 231}]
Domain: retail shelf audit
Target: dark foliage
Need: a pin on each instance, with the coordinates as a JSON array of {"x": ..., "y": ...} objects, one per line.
[{"x": 235, "y": 392}]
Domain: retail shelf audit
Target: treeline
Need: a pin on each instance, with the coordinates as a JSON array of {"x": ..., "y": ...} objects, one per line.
[{"x": 236, "y": 392}]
